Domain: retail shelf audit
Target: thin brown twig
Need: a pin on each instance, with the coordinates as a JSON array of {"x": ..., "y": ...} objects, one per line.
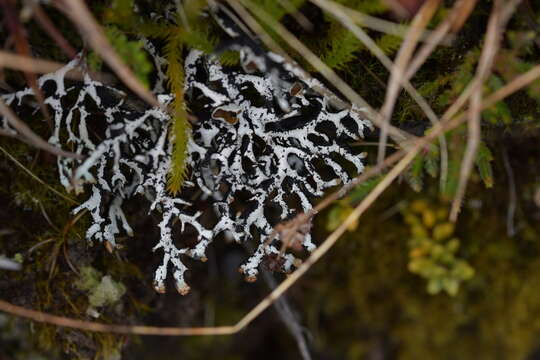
[
  {"x": 459, "y": 13},
  {"x": 42, "y": 66},
  {"x": 62, "y": 321},
  {"x": 81, "y": 16},
  {"x": 32, "y": 137},
  {"x": 17, "y": 30},
  {"x": 68, "y": 259},
  {"x": 465, "y": 9},
  {"x": 300, "y": 18},
  {"x": 46, "y": 216},
  {"x": 406, "y": 155},
  {"x": 499, "y": 17},
  {"x": 515, "y": 85},
  {"x": 361, "y": 106},
  {"x": 38, "y": 245},
  {"x": 47, "y": 25},
  {"x": 337, "y": 11},
  {"x": 7, "y": 133},
  {"x": 27, "y": 63},
  {"x": 389, "y": 27},
  {"x": 406, "y": 50}
]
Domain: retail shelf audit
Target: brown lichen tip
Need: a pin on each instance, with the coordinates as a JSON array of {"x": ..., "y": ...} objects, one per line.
[
  {"x": 182, "y": 289},
  {"x": 296, "y": 89},
  {"x": 251, "y": 278},
  {"x": 250, "y": 67},
  {"x": 159, "y": 287},
  {"x": 108, "y": 246}
]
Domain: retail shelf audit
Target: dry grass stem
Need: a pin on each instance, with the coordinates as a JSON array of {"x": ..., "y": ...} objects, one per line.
[
  {"x": 33, "y": 65},
  {"x": 31, "y": 137},
  {"x": 459, "y": 13},
  {"x": 62, "y": 321},
  {"x": 499, "y": 17},
  {"x": 515, "y": 85},
  {"x": 47, "y": 25},
  {"x": 19, "y": 36},
  {"x": 453, "y": 22},
  {"x": 389, "y": 27},
  {"x": 342, "y": 16},
  {"x": 401, "y": 73},
  {"x": 300, "y": 18},
  {"x": 406, "y": 50},
  {"x": 397, "y": 135},
  {"x": 42, "y": 66},
  {"x": 81, "y": 16},
  {"x": 29, "y": 64}
]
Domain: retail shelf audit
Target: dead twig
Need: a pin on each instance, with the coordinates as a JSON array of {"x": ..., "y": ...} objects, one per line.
[
  {"x": 499, "y": 17},
  {"x": 360, "y": 105},
  {"x": 13, "y": 23},
  {"x": 453, "y": 22},
  {"x": 81, "y": 16},
  {"x": 62, "y": 321},
  {"x": 515, "y": 85},
  {"x": 406, "y": 50},
  {"x": 42, "y": 66},
  {"x": 46, "y": 216},
  {"x": 300, "y": 18},
  {"x": 47, "y": 25},
  {"x": 28, "y": 64},
  {"x": 38, "y": 245},
  {"x": 372, "y": 46},
  {"x": 31, "y": 136},
  {"x": 389, "y": 27}
]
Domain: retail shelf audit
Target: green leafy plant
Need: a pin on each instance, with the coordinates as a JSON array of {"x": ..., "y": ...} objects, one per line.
[{"x": 433, "y": 248}]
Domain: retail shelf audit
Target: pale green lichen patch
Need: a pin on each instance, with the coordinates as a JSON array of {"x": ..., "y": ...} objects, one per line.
[{"x": 101, "y": 290}]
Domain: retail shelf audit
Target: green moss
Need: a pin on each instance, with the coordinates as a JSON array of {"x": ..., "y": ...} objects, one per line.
[{"x": 131, "y": 52}]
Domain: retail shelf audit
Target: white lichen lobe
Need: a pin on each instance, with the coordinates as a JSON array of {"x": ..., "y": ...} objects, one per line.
[{"x": 258, "y": 159}]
